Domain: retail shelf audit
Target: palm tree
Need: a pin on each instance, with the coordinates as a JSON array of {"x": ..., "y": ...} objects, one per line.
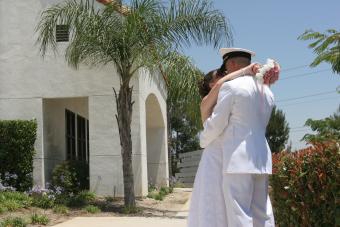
[
  {"x": 326, "y": 46},
  {"x": 183, "y": 98},
  {"x": 145, "y": 36}
]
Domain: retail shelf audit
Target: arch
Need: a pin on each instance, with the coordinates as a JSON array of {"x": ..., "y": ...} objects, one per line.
[{"x": 156, "y": 143}]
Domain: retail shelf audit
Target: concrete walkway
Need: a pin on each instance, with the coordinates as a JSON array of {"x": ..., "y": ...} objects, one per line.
[
  {"x": 123, "y": 222},
  {"x": 178, "y": 221}
]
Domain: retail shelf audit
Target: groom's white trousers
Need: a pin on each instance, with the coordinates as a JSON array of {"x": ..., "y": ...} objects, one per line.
[{"x": 247, "y": 201}]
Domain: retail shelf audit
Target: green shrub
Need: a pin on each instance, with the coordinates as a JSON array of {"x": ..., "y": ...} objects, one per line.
[
  {"x": 39, "y": 219},
  {"x": 71, "y": 176},
  {"x": 60, "y": 209},
  {"x": 92, "y": 209},
  {"x": 17, "y": 140},
  {"x": 305, "y": 186},
  {"x": 13, "y": 222}
]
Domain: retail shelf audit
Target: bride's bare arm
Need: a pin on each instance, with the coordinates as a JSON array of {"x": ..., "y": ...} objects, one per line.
[{"x": 209, "y": 101}]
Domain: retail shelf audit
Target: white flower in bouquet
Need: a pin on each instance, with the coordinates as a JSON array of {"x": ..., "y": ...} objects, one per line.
[{"x": 264, "y": 69}]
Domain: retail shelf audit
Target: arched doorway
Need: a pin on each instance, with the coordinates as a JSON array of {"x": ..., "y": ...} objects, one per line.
[{"x": 156, "y": 143}]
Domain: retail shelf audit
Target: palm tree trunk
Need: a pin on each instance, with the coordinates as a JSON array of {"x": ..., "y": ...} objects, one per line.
[
  {"x": 169, "y": 142},
  {"x": 124, "y": 116}
]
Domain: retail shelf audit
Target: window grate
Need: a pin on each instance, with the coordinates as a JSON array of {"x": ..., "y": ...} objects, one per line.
[{"x": 62, "y": 33}]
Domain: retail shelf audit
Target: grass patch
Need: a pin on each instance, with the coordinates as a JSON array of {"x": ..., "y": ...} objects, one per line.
[
  {"x": 12, "y": 201},
  {"x": 110, "y": 199},
  {"x": 3, "y": 209},
  {"x": 39, "y": 219},
  {"x": 11, "y": 205},
  {"x": 131, "y": 210},
  {"x": 159, "y": 194},
  {"x": 81, "y": 199},
  {"x": 60, "y": 209},
  {"x": 13, "y": 222},
  {"x": 43, "y": 201},
  {"x": 91, "y": 209}
]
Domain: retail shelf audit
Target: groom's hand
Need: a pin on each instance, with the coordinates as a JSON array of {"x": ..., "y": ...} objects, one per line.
[{"x": 252, "y": 69}]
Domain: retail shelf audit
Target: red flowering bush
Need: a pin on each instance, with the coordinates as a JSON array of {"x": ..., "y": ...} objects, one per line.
[{"x": 305, "y": 186}]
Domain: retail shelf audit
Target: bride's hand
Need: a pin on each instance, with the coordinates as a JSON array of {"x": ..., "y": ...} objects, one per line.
[{"x": 272, "y": 75}]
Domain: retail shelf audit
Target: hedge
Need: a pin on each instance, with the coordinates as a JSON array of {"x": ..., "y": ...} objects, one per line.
[
  {"x": 17, "y": 138},
  {"x": 305, "y": 186}
]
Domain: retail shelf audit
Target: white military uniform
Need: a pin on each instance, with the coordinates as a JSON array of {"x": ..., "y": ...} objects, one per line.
[{"x": 239, "y": 122}]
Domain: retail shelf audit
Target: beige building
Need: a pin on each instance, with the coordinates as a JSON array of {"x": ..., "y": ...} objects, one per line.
[{"x": 75, "y": 109}]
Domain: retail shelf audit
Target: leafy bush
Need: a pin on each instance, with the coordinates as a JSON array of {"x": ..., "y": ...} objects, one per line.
[
  {"x": 17, "y": 140},
  {"x": 39, "y": 219},
  {"x": 305, "y": 186},
  {"x": 72, "y": 177},
  {"x": 60, "y": 209},
  {"x": 13, "y": 222},
  {"x": 92, "y": 209}
]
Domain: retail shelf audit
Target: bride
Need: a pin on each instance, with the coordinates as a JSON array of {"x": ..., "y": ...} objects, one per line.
[{"x": 207, "y": 208}]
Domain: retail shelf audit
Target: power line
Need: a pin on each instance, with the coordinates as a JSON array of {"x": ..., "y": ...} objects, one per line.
[
  {"x": 293, "y": 68},
  {"x": 311, "y": 101},
  {"x": 298, "y": 127},
  {"x": 306, "y": 96},
  {"x": 304, "y": 74},
  {"x": 304, "y": 130}
]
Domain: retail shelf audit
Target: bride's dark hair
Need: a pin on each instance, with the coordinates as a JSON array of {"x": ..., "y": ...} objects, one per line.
[{"x": 203, "y": 85}]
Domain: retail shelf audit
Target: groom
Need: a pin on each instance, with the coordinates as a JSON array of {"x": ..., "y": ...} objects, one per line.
[{"x": 239, "y": 123}]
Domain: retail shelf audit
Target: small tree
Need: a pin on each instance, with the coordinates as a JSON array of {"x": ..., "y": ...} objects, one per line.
[
  {"x": 277, "y": 131},
  {"x": 327, "y": 129},
  {"x": 183, "y": 103},
  {"x": 326, "y": 46}
]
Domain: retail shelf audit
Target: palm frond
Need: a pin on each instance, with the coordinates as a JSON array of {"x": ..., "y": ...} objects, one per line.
[
  {"x": 326, "y": 46},
  {"x": 183, "y": 92},
  {"x": 195, "y": 20}
]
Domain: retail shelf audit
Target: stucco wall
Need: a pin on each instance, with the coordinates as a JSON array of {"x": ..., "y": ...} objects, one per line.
[
  {"x": 26, "y": 80},
  {"x": 54, "y": 128},
  {"x": 28, "y": 109}
]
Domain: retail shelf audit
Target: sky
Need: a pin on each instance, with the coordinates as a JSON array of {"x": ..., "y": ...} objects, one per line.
[{"x": 271, "y": 28}]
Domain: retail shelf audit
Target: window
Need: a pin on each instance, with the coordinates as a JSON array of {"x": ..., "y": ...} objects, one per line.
[
  {"x": 62, "y": 33},
  {"x": 70, "y": 136},
  {"x": 81, "y": 138},
  {"x": 77, "y": 137}
]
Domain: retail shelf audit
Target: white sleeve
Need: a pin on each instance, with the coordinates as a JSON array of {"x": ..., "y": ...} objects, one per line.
[{"x": 218, "y": 121}]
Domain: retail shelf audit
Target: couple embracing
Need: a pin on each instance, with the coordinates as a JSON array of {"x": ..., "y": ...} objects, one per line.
[{"x": 231, "y": 184}]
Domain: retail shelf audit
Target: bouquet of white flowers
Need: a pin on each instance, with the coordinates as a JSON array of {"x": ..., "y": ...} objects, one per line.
[{"x": 264, "y": 69}]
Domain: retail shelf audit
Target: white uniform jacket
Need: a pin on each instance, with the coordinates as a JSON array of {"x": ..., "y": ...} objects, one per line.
[{"x": 239, "y": 122}]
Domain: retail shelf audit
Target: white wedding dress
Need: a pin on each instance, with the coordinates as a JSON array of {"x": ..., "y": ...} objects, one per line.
[{"x": 207, "y": 208}]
